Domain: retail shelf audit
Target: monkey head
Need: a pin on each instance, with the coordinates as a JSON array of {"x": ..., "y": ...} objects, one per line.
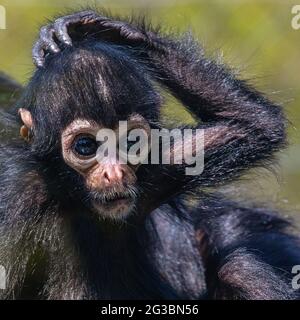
[{"x": 81, "y": 92}]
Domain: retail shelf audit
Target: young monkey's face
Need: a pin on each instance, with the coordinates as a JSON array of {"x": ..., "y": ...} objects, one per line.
[{"x": 109, "y": 181}]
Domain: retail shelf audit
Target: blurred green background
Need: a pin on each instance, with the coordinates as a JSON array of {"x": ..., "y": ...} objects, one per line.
[{"x": 255, "y": 37}]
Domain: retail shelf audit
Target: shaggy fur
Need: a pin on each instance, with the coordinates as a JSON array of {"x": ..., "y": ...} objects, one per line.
[{"x": 54, "y": 248}]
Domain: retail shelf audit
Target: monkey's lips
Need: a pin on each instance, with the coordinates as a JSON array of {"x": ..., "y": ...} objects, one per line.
[{"x": 116, "y": 205}]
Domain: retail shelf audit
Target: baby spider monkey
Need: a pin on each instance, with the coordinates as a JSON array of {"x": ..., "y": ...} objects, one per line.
[{"x": 72, "y": 227}]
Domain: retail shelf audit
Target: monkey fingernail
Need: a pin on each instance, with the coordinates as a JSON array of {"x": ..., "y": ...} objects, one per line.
[
  {"x": 67, "y": 40},
  {"x": 54, "y": 48},
  {"x": 38, "y": 63}
]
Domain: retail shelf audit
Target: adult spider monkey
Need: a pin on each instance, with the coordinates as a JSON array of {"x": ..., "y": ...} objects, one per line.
[{"x": 75, "y": 228}]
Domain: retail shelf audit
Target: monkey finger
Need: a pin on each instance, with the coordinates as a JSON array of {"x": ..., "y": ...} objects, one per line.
[
  {"x": 61, "y": 30},
  {"x": 47, "y": 38},
  {"x": 38, "y": 54}
]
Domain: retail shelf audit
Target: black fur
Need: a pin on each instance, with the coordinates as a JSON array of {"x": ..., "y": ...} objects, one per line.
[{"x": 172, "y": 247}]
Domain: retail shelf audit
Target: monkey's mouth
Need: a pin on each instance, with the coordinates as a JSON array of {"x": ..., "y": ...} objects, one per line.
[
  {"x": 113, "y": 203},
  {"x": 114, "y": 196},
  {"x": 114, "y": 199}
]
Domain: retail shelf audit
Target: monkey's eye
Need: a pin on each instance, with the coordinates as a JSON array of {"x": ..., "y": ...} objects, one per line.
[{"x": 85, "y": 146}]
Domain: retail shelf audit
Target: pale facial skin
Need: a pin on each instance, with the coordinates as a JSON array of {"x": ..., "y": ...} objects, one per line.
[{"x": 112, "y": 183}]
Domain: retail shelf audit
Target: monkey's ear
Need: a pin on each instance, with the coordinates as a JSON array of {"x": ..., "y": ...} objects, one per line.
[{"x": 28, "y": 123}]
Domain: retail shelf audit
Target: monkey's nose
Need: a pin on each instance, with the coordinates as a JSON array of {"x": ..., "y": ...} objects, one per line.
[{"x": 113, "y": 174}]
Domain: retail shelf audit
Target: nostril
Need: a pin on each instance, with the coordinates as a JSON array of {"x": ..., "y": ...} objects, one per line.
[
  {"x": 106, "y": 177},
  {"x": 113, "y": 174}
]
